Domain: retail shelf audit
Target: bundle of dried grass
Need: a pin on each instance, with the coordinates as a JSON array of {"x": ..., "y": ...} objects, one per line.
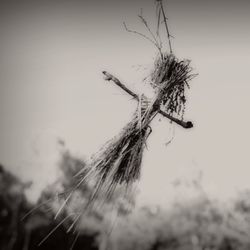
[
  {"x": 172, "y": 76},
  {"x": 119, "y": 161}
]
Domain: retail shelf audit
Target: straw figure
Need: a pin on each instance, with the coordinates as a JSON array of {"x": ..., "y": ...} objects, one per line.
[{"x": 118, "y": 163}]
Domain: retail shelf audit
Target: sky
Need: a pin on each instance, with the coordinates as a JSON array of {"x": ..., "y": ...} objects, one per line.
[{"x": 52, "y": 54}]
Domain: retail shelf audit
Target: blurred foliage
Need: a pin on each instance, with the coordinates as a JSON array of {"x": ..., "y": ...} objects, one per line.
[
  {"x": 198, "y": 223},
  {"x": 201, "y": 225},
  {"x": 23, "y": 225}
]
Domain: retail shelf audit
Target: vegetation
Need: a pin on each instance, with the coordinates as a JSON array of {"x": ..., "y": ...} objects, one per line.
[{"x": 197, "y": 224}]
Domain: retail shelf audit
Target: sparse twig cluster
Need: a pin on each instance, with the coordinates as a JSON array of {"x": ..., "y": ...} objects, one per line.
[{"x": 155, "y": 39}]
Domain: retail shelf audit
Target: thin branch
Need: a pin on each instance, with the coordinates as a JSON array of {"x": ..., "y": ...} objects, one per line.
[
  {"x": 142, "y": 35},
  {"x": 184, "y": 124},
  {"x": 109, "y": 77},
  {"x": 150, "y": 31},
  {"x": 166, "y": 25},
  {"x": 158, "y": 14}
]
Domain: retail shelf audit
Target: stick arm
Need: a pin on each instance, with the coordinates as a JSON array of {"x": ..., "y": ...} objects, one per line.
[
  {"x": 184, "y": 124},
  {"x": 109, "y": 77}
]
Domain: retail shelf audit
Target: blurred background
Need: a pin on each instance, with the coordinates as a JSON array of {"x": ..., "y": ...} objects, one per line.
[{"x": 56, "y": 111}]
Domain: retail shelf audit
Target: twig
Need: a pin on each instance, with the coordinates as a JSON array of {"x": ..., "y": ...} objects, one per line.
[
  {"x": 158, "y": 14},
  {"x": 144, "y": 36},
  {"x": 166, "y": 25},
  {"x": 184, "y": 124},
  {"x": 109, "y": 77},
  {"x": 157, "y": 43}
]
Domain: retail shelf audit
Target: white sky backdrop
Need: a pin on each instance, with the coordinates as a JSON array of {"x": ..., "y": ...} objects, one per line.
[{"x": 51, "y": 87}]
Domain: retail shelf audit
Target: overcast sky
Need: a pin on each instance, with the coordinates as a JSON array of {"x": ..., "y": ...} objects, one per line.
[{"x": 51, "y": 57}]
